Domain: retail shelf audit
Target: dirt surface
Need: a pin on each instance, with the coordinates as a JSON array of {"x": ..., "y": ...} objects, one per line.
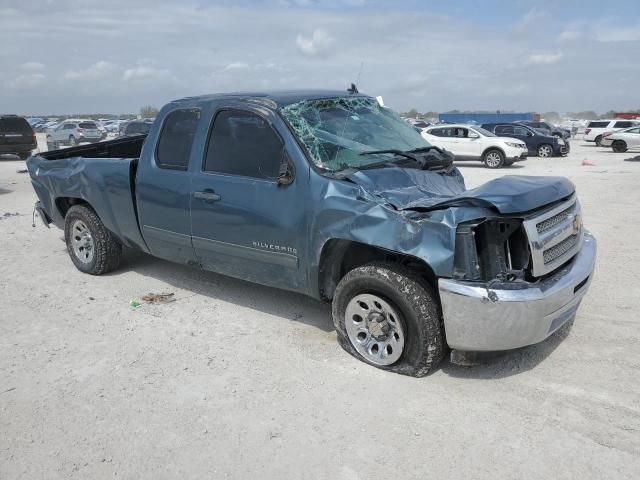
[{"x": 234, "y": 380}]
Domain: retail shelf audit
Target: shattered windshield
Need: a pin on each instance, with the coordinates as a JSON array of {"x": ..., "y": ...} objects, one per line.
[{"x": 336, "y": 131}]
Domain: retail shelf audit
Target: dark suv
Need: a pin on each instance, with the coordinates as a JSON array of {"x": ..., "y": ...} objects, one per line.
[
  {"x": 16, "y": 136},
  {"x": 555, "y": 131},
  {"x": 538, "y": 143}
]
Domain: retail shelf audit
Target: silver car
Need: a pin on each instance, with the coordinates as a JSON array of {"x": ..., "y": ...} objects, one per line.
[
  {"x": 73, "y": 132},
  {"x": 622, "y": 140}
]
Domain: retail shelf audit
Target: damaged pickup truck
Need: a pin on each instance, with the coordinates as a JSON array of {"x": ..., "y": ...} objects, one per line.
[{"x": 331, "y": 195}]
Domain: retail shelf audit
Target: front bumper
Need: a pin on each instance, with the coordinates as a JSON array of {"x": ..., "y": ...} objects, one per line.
[{"x": 483, "y": 317}]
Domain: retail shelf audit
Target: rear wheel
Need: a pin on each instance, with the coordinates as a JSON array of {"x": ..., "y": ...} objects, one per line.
[
  {"x": 619, "y": 146},
  {"x": 493, "y": 158},
  {"x": 93, "y": 249},
  {"x": 545, "y": 151},
  {"x": 599, "y": 140},
  {"x": 386, "y": 316}
]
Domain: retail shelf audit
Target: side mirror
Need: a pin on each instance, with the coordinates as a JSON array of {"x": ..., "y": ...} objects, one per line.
[
  {"x": 473, "y": 135},
  {"x": 286, "y": 174}
]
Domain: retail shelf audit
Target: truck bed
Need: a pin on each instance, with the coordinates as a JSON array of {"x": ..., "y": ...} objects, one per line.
[
  {"x": 120, "y": 148},
  {"x": 102, "y": 175}
]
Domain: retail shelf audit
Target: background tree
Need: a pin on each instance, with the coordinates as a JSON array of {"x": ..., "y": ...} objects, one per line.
[
  {"x": 148, "y": 111},
  {"x": 552, "y": 117}
]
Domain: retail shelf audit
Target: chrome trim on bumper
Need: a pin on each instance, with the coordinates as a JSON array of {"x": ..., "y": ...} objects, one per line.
[{"x": 489, "y": 317}]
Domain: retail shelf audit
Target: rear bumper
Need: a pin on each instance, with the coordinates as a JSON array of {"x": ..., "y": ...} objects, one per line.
[{"x": 481, "y": 317}]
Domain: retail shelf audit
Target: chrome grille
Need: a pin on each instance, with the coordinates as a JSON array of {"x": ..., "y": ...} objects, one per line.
[
  {"x": 558, "y": 218},
  {"x": 554, "y": 236},
  {"x": 559, "y": 249}
]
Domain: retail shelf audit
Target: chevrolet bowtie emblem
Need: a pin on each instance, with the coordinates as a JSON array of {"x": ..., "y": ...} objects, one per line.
[{"x": 577, "y": 223}]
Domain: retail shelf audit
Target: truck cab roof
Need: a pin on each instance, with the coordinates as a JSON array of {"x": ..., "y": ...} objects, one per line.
[{"x": 274, "y": 99}]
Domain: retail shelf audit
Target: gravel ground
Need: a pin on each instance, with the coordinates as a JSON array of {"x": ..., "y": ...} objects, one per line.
[{"x": 234, "y": 380}]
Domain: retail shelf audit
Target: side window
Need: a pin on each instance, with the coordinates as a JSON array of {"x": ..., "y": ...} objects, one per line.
[
  {"x": 68, "y": 126},
  {"x": 438, "y": 132},
  {"x": 504, "y": 129},
  {"x": 520, "y": 131},
  {"x": 623, "y": 125},
  {"x": 634, "y": 130},
  {"x": 243, "y": 143},
  {"x": 461, "y": 133},
  {"x": 176, "y": 139}
]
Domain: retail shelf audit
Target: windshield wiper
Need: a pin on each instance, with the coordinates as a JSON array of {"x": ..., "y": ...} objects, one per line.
[
  {"x": 399, "y": 153},
  {"x": 442, "y": 160}
]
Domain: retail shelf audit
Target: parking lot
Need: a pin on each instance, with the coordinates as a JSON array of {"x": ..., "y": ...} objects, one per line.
[{"x": 233, "y": 378}]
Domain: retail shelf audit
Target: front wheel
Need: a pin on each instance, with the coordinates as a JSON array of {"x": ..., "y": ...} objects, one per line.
[
  {"x": 545, "y": 151},
  {"x": 387, "y": 316},
  {"x": 493, "y": 159},
  {"x": 619, "y": 146},
  {"x": 93, "y": 249}
]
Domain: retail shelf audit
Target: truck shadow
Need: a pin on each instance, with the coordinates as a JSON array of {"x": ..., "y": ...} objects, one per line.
[
  {"x": 268, "y": 300},
  {"x": 495, "y": 365}
]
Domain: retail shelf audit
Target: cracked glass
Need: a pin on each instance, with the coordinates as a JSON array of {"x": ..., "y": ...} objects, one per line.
[{"x": 337, "y": 131}]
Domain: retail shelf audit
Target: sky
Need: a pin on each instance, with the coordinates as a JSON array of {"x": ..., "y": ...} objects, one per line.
[{"x": 73, "y": 56}]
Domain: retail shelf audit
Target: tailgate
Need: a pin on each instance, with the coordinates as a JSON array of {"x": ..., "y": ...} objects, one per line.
[{"x": 15, "y": 131}]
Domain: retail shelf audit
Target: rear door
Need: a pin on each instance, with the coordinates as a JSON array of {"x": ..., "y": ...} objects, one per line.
[
  {"x": 245, "y": 224},
  {"x": 163, "y": 187}
]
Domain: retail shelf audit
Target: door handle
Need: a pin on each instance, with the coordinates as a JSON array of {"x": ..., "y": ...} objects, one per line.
[{"x": 207, "y": 196}]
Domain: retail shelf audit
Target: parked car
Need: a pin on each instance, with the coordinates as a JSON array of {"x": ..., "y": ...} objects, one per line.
[
  {"x": 549, "y": 128},
  {"x": 16, "y": 136},
  {"x": 136, "y": 127},
  {"x": 622, "y": 140},
  {"x": 331, "y": 195},
  {"x": 73, "y": 132},
  {"x": 538, "y": 142},
  {"x": 597, "y": 128},
  {"x": 474, "y": 143}
]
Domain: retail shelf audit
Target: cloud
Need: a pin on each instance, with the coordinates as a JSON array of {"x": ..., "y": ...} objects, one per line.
[
  {"x": 544, "y": 58},
  {"x": 145, "y": 72},
  {"x": 236, "y": 66},
  {"x": 32, "y": 66},
  {"x": 98, "y": 71},
  {"x": 618, "y": 33},
  {"x": 26, "y": 81},
  {"x": 318, "y": 45}
]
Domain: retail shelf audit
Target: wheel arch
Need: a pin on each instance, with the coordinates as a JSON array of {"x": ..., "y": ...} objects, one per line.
[
  {"x": 493, "y": 147},
  {"x": 63, "y": 204},
  {"x": 339, "y": 256}
]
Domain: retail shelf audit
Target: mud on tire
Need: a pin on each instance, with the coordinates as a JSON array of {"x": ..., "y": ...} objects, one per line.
[
  {"x": 424, "y": 338},
  {"x": 107, "y": 249}
]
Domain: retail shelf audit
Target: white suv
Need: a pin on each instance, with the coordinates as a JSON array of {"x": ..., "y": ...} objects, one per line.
[
  {"x": 468, "y": 142},
  {"x": 597, "y": 128}
]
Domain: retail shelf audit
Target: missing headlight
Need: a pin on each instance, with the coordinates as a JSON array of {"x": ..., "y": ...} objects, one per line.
[{"x": 492, "y": 249}]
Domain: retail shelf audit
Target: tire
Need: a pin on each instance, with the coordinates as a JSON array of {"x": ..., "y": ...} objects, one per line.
[
  {"x": 598, "y": 140},
  {"x": 493, "y": 158},
  {"x": 93, "y": 249},
  {"x": 545, "y": 150},
  {"x": 619, "y": 146},
  {"x": 72, "y": 141},
  {"x": 417, "y": 319}
]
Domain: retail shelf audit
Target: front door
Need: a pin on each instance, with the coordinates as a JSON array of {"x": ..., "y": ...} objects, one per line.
[{"x": 244, "y": 224}]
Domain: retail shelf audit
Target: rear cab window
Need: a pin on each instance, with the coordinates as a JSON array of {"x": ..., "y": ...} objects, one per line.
[
  {"x": 88, "y": 125},
  {"x": 176, "y": 139}
]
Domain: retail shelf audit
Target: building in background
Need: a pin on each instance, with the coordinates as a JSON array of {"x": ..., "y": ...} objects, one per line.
[
  {"x": 627, "y": 115},
  {"x": 487, "y": 117}
]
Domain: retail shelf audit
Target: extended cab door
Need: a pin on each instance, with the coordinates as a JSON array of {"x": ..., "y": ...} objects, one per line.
[
  {"x": 244, "y": 223},
  {"x": 163, "y": 187}
]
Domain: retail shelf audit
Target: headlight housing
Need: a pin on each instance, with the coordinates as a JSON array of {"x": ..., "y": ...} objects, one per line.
[
  {"x": 491, "y": 249},
  {"x": 514, "y": 145}
]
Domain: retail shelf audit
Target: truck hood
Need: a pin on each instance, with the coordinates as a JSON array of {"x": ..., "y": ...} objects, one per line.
[{"x": 423, "y": 190}]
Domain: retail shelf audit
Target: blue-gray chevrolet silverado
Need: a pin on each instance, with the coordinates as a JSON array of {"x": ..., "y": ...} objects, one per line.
[{"x": 331, "y": 195}]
